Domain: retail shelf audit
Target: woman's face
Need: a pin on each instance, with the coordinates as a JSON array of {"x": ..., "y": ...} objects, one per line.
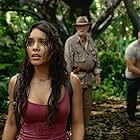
[{"x": 37, "y": 47}]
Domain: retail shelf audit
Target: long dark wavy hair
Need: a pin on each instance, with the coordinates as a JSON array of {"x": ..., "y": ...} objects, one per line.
[{"x": 56, "y": 74}]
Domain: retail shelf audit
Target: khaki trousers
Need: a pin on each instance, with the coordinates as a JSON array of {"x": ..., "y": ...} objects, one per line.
[{"x": 87, "y": 104}]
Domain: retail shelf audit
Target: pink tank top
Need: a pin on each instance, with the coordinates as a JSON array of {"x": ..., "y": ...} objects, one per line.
[{"x": 34, "y": 126}]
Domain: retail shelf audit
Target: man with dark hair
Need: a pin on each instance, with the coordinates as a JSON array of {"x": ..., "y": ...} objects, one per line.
[{"x": 82, "y": 59}]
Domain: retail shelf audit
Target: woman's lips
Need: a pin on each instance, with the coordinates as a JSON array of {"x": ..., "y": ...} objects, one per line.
[{"x": 36, "y": 56}]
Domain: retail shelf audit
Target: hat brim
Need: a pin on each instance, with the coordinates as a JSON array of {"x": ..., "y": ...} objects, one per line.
[{"x": 81, "y": 24}]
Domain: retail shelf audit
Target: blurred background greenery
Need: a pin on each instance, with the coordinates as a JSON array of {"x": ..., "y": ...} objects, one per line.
[{"x": 112, "y": 30}]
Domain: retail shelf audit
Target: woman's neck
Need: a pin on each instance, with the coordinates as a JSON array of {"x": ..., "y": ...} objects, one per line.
[{"x": 41, "y": 74}]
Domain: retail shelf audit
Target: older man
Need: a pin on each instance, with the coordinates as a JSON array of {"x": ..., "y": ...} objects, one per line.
[{"x": 82, "y": 59}]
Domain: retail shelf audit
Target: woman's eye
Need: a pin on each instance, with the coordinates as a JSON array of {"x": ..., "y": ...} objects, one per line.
[
  {"x": 30, "y": 43},
  {"x": 43, "y": 42}
]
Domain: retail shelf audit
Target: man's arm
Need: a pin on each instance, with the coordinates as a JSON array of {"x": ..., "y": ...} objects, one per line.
[
  {"x": 131, "y": 64},
  {"x": 97, "y": 70},
  {"x": 68, "y": 54}
]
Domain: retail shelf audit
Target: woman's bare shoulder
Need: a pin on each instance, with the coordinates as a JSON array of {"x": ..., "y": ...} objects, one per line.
[
  {"x": 74, "y": 77},
  {"x": 13, "y": 79},
  {"x": 12, "y": 83},
  {"x": 75, "y": 81}
]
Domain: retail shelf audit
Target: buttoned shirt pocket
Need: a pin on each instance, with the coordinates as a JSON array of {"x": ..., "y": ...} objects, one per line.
[{"x": 79, "y": 55}]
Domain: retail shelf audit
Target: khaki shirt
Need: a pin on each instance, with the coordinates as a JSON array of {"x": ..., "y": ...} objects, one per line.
[{"x": 84, "y": 57}]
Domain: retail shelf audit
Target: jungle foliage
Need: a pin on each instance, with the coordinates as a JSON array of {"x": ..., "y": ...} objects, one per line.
[{"x": 111, "y": 41}]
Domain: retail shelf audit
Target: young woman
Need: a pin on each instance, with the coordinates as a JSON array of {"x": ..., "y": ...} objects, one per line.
[{"x": 39, "y": 101}]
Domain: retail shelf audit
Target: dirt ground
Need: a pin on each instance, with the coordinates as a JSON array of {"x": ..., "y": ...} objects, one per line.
[{"x": 108, "y": 122}]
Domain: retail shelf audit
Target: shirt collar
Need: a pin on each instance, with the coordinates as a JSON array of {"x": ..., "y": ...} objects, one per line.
[{"x": 78, "y": 38}]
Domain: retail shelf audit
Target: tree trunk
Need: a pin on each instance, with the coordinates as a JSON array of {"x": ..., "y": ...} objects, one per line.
[{"x": 135, "y": 19}]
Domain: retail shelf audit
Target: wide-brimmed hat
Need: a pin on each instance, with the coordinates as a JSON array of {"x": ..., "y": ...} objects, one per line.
[{"x": 81, "y": 20}]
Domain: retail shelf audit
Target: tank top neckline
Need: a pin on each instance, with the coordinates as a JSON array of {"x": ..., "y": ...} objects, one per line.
[{"x": 30, "y": 102}]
